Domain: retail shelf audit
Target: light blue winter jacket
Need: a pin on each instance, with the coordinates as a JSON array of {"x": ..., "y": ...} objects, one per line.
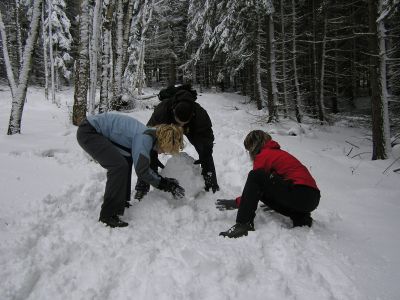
[{"x": 128, "y": 134}]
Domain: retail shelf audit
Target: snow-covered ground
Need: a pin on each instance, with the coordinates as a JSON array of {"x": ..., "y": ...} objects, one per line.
[{"x": 53, "y": 247}]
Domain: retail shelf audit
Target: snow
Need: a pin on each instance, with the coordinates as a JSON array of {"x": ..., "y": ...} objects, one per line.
[{"x": 53, "y": 247}]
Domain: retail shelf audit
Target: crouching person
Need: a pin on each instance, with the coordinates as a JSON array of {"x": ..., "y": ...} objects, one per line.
[
  {"x": 116, "y": 142},
  {"x": 279, "y": 180}
]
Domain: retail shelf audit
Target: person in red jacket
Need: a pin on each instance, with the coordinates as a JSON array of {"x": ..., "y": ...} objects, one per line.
[{"x": 279, "y": 180}]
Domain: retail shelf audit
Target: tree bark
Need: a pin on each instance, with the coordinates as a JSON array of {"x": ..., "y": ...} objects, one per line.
[
  {"x": 285, "y": 101},
  {"x": 117, "y": 89},
  {"x": 82, "y": 66},
  {"x": 94, "y": 52},
  {"x": 378, "y": 96},
  {"x": 297, "y": 98},
  {"x": 258, "y": 92},
  {"x": 273, "y": 115},
  {"x": 106, "y": 58}
]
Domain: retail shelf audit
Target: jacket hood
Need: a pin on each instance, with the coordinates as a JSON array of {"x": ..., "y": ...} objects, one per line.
[
  {"x": 184, "y": 95},
  {"x": 271, "y": 145}
]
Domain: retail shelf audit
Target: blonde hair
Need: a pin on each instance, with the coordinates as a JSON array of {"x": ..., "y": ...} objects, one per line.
[
  {"x": 169, "y": 138},
  {"x": 254, "y": 142}
]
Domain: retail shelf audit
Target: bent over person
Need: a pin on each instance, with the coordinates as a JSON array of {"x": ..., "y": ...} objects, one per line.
[
  {"x": 116, "y": 142},
  {"x": 181, "y": 109},
  {"x": 279, "y": 180}
]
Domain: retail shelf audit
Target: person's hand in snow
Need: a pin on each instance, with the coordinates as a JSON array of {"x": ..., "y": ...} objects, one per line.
[{"x": 172, "y": 186}]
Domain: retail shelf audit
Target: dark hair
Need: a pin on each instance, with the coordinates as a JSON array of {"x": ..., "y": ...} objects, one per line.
[
  {"x": 183, "y": 111},
  {"x": 254, "y": 141}
]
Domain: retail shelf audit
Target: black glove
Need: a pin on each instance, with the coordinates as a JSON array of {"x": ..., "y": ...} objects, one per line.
[
  {"x": 210, "y": 180},
  {"x": 226, "y": 204},
  {"x": 172, "y": 186},
  {"x": 141, "y": 188}
]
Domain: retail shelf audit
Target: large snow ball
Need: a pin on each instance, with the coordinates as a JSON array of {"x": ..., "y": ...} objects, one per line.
[{"x": 181, "y": 167}]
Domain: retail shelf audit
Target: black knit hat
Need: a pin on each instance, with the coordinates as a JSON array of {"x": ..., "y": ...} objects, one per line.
[
  {"x": 183, "y": 111},
  {"x": 184, "y": 105}
]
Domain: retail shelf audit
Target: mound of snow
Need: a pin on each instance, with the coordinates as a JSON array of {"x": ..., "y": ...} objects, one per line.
[{"x": 181, "y": 167}]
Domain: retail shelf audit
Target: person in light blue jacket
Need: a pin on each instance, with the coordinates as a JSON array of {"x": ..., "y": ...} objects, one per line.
[{"x": 117, "y": 142}]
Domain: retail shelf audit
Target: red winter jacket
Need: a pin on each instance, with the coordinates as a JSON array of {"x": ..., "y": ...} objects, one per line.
[{"x": 272, "y": 159}]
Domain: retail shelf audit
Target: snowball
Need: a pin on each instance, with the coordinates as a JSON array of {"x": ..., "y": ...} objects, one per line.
[{"x": 181, "y": 167}]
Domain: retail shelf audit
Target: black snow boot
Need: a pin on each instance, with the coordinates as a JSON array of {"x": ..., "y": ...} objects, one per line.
[
  {"x": 238, "y": 230},
  {"x": 113, "y": 221}
]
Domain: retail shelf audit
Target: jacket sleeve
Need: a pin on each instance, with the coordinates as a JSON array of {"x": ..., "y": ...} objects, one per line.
[
  {"x": 141, "y": 160},
  {"x": 200, "y": 128},
  {"x": 161, "y": 114}
]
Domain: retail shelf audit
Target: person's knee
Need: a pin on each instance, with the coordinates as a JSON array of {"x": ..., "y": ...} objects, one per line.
[{"x": 121, "y": 166}]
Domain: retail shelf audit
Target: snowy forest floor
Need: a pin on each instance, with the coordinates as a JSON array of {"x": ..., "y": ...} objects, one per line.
[{"x": 53, "y": 247}]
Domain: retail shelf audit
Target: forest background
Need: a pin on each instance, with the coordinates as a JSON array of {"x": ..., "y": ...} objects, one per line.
[{"x": 319, "y": 60}]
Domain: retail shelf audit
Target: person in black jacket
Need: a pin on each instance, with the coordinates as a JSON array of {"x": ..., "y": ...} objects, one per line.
[{"x": 181, "y": 109}]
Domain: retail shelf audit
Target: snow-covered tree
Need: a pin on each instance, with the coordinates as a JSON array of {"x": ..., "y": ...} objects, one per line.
[
  {"x": 134, "y": 74},
  {"x": 166, "y": 36},
  {"x": 61, "y": 38},
  {"x": 19, "y": 87},
  {"x": 94, "y": 54}
]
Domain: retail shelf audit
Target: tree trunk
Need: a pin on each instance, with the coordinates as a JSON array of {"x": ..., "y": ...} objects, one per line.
[
  {"x": 314, "y": 79},
  {"x": 320, "y": 101},
  {"x": 297, "y": 98},
  {"x": 18, "y": 101},
  {"x": 7, "y": 61},
  {"x": 94, "y": 52},
  {"x": 172, "y": 72},
  {"x": 19, "y": 36},
  {"x": 106, "y": 58},
  {"x": 378, "y": 84},
  {"x": 273, "y": 115},
  {"x": 53, "y": 88},
  {"x": 285, "y": 101},
  {"x": 45, "y": 62},
  {"x": 127, "y": 30},
  {"x": 258, "y": 92},
  {"x": 119, "y": 50},
  {"x": 82, "y": 66}
]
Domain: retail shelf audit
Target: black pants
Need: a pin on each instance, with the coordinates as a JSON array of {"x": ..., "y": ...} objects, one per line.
[
  {"x": 294, "y": 201},
  {"x": 119, "y": 168}
]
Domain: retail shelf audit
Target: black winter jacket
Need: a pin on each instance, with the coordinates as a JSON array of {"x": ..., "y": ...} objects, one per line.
[
  {"x": 198, "y": 131},
  {"x": 199, "y": 128}
]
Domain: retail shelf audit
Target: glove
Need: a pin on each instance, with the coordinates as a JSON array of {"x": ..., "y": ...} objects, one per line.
[
  {"x": 226, "y": 204},
  {"x": 172, "y": 186},
  {"x": 210, "y": 180},
  {"x": 142, "y": 188}
]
